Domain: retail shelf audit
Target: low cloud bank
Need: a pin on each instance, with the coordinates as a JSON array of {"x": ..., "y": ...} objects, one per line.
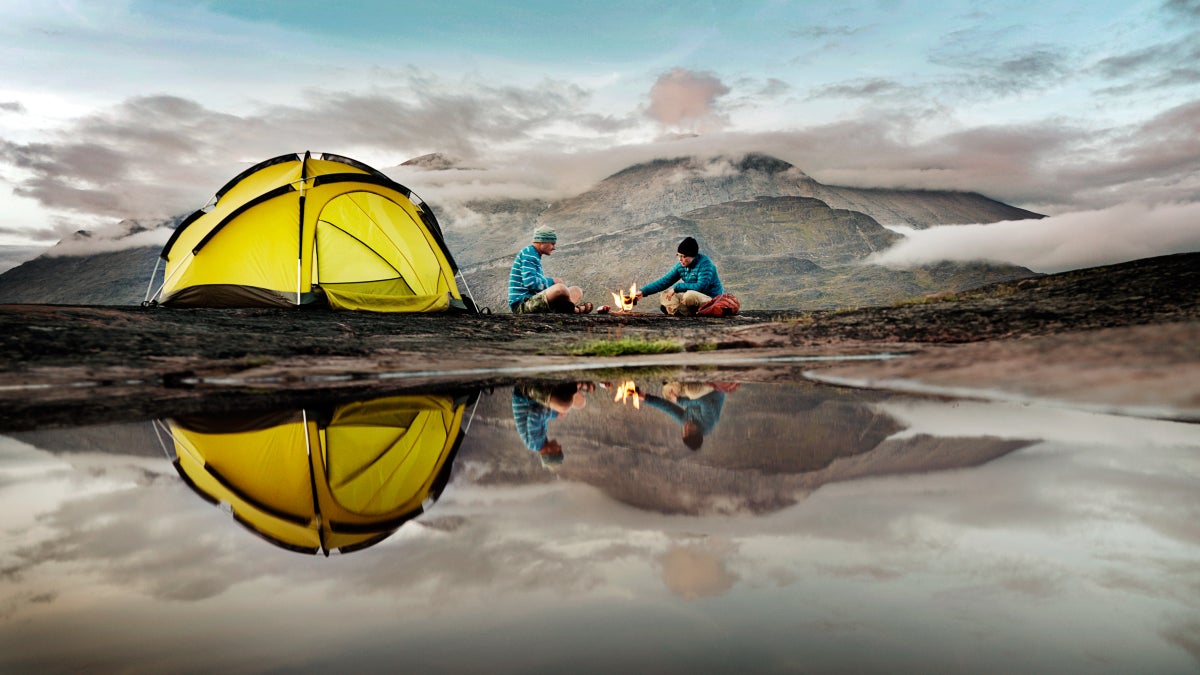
[
  {"x": 1058, "y": 243},
  {"x": 113, "y": 237}
]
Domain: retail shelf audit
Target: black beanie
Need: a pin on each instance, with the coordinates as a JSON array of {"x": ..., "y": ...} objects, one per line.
[{"x": 689, "y": 247}]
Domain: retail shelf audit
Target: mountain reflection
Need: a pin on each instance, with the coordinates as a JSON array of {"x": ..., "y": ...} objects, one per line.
[
  {"x": 696, "y": 447},
  {"x": 320, "y": 480},
  {"x": 346, "y": 475}
]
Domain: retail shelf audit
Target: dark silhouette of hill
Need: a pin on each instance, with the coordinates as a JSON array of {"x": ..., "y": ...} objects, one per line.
[{"x": 108, "y": 278}]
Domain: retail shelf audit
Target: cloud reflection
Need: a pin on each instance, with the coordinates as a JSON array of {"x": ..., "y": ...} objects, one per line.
[{"x": 1099, "y": 514}]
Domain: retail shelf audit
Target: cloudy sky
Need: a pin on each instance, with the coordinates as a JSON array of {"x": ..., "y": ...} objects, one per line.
[{"x": 142, "y": 109}]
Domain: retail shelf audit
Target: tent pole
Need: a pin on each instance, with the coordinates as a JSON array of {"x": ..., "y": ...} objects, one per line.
[
  {"x": 300, "y": 236},
  {"x": 157, "y": 262},
  {"x": 162, "y": 444},
  {"x": 164, "y": 283},
  {"x": 312, "y": 483},
  {"x": 467, "y": 286},
  {"x": 470, "y": 419}
]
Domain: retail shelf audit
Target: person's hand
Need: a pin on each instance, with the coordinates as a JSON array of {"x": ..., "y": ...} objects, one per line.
[
  {"x": 638, "y": 296},
  {"x": 668, "y": 294},
  {"x": 558, "y": 281}
]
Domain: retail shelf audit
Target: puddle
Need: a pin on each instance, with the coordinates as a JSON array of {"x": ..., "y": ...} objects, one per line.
[{"x": 633, "y": 523}]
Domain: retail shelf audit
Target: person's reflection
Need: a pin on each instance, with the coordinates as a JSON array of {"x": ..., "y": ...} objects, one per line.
[
  {"x": 695, "y": 406},
  {"x": 533, "y": 408}
]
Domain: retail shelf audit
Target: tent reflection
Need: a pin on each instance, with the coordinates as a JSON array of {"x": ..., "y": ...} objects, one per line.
[{"x": 309, "y": 481}]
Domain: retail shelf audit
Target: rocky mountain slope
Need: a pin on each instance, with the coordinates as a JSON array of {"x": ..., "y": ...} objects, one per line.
[
  {"x": 772, "y": 253},
  {"x": 666, "y": 187},
  {"x": 108, "y": 278},
  {"x": 782, "y": 240},
  {"x": 917, "y": 209}
]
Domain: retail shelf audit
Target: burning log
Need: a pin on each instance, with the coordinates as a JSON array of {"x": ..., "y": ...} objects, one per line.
[{"x": 623, "y": 302}]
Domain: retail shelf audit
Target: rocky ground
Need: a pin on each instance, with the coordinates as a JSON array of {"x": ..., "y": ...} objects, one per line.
[{"x": 1122, "y": 337}]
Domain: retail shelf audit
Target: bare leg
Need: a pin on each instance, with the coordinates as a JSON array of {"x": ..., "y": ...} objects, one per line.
[
  {"x": 565, "y": 299},
  {"x": 559, "y": 292}
]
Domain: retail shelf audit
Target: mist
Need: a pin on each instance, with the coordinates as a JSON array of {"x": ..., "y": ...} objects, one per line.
[{"x": 1058, "y": 243}]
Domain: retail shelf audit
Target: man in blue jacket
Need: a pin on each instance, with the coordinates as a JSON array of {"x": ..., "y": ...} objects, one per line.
[
  {"x": 695, "y": 406},
  {"x": 689, "y": 285}
]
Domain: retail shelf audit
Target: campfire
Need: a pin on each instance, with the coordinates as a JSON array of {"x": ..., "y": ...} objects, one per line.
[
  {"x": 626, "y": 391},
  {"x": 623, "y": 302}
]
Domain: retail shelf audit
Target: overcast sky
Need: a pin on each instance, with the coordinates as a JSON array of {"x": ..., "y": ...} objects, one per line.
[{"x": 142, "y": 109}]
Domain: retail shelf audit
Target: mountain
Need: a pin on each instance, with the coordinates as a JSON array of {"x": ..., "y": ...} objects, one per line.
[
  {"x": 772, "y": 253},
  {"x": 479, "y": 229},
  {"x": 781, "y": 240},
  {"x": 11, "y": 256},
  {"x": 108, "y": 278},
  {"x": 60, "y": 276},
  {"x": 434, "y": 161},
  {"x": 917, "y": 209},
  {"x": 668, "y": 187}
]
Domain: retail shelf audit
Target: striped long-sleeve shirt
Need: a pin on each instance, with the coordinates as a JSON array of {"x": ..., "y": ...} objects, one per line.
[
  {"x": 526, "y": 278},
  {"x": 531, "y": 419}
]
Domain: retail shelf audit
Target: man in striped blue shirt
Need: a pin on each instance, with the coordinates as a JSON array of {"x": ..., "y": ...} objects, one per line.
[
  {"x": 533, "y": 408},
  {"x": 530, "y": 291}
]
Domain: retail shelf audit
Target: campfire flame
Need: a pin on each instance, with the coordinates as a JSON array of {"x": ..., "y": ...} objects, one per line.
[
  {"x": 625, "y": 303},
  {"x": 628, "y": 390}
]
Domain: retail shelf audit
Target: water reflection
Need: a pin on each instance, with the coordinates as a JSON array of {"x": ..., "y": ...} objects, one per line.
[
  {"x": 533, "y": 407},
  {"x": 695, "y": 407},
  {"x": 691, "y": 446},
  {"x": 342, "y": 478},
  {"x": 813, "y": 529}
]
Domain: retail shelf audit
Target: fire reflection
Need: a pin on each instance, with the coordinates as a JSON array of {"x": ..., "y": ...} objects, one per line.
[{"x": 627, "y": 392}]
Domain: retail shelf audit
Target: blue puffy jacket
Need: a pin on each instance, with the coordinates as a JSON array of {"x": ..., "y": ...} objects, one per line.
[{"x": 701, "y": 276}]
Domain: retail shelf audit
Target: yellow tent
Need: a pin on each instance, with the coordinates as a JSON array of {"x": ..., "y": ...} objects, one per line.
[
  {"x": 310, "y": 482},
  {"x": 299, "y": 230}
]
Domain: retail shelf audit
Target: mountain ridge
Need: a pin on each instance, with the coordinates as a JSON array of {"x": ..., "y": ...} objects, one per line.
[{"x": 625, "y": 228}]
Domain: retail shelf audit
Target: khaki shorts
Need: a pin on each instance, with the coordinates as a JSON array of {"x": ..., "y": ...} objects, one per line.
[{"x": 537, "y": 304}]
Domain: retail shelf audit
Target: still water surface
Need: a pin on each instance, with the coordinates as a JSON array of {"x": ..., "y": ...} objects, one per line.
[{"x": 711, "y": 527}]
